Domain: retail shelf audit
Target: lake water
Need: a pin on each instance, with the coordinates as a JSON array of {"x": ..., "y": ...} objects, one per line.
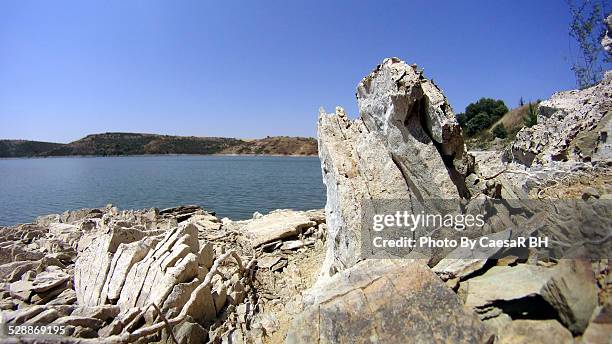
[{"x": 232, "y": 186}]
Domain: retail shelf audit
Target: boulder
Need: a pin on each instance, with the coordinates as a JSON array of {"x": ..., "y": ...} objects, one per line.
[
  {"x": 566, "y": 291},
  {"x": 387, "y": 302},
  {"x": 189, "y": 333},
  {"x": 104, "y": 312},
  {"x": 67, "y": 297},
  {"x": 48, "y": 280}
]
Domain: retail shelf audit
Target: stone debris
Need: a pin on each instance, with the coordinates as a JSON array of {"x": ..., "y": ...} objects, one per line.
[
  {"x": 117, "y": 276},
  {"x": 572, "y": 125}
]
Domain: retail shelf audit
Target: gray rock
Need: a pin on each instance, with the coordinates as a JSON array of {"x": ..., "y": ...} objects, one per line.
[
  {"x": 460, "y": 263},
  {"x": 94, "y": 261},
  {"x": 406, "y": 145},
  {"x": 48, "y": 280},
  {"x": 589, "y": 192},
  {"x": 206, "y": 255}
]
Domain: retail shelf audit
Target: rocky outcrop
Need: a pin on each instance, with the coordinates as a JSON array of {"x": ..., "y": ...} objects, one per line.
[
  {"x": 572, "y": 126},
  {"x": 406, "y": 145}
]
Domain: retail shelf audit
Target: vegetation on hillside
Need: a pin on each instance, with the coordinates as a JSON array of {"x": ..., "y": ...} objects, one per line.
[
  {"x": 21, "y": 148},
  {"x": 501, "y": 132},
  {"x": 138, "y": 144},
  {"x": 481, "y": 115}
]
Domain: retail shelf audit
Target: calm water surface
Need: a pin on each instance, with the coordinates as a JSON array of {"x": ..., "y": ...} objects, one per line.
[{"x": 232, "y": 186}]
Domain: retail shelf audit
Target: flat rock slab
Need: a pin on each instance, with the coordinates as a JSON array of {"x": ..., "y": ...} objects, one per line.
[
  {"x": 267, "y": 262},
  {"x": 47, "y": 280},
  {"x": 535, "y": 332},
  {"x": 382, "y": 301},
  {"x": 277, "y": 225}
]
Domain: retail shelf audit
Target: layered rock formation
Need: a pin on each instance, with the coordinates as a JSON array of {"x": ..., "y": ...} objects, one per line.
[
  {"x": 175, "y": 275},
  {"x": 406, "y": 145}
]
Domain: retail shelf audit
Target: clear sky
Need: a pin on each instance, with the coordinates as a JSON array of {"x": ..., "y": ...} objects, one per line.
[{"x": 255, "y": 68}]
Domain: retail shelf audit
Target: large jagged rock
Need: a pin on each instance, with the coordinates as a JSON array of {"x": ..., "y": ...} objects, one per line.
[
  {"x": 406, "y": 144},
  {"x": 382, "y": 301},
  {"x": 572, "y": 125}
]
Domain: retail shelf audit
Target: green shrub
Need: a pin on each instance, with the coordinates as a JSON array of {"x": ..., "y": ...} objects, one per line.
[
  {"x": 531, "y": 118},
  {"x": 500, "y": 131}
]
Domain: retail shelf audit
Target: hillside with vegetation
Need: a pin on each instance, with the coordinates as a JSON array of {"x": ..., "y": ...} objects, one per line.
[
  {"x": 23, "y": 148},
  {"x": 489, "y": 124},
  {"x": 114, "y": 144},
  {"x": 277, "y": 145}
]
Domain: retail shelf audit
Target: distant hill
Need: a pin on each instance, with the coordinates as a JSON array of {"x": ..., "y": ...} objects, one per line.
[
  {"x": 277, "y": 145},
  {"x": 22, "y": 148},
  {"x": 135, "y": 144}
]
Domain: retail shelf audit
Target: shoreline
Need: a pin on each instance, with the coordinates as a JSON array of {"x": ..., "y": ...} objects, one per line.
[{"x": 155, "y": 155}]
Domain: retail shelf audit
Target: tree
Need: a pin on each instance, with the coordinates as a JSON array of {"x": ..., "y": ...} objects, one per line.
[
  {"x": 482, "y": 114},
  {"x": 587, "y": 28},
  {"x": 531, "y": 118}
]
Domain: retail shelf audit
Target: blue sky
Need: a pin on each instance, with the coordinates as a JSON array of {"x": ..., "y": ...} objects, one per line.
[{"x": 256, "y": 68}]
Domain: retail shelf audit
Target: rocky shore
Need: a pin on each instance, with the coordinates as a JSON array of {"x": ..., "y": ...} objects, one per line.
[{"x": 182, "y": 275}]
